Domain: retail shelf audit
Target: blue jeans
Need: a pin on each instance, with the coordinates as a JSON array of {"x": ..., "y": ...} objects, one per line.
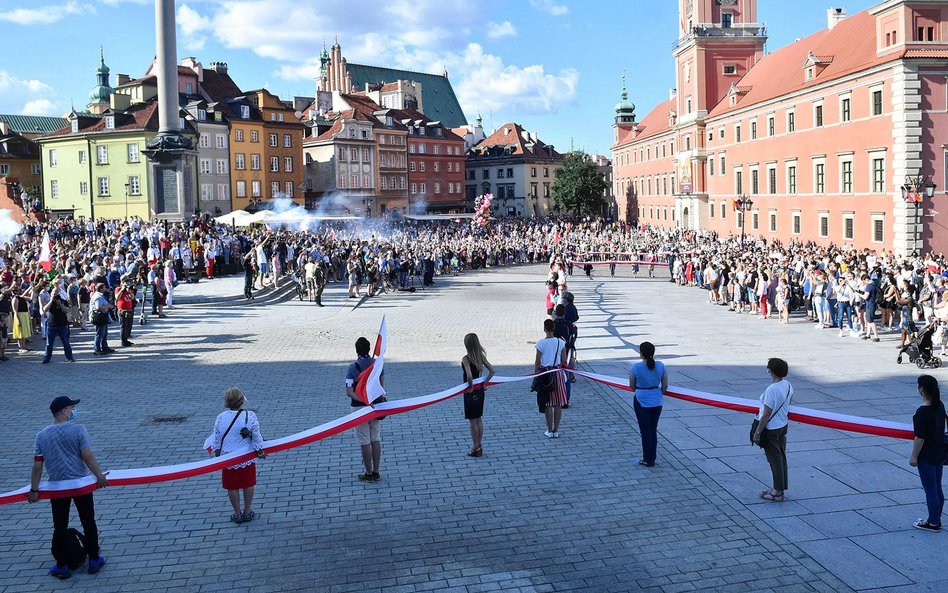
[
  {"x": 833, "y": 306},
  {"x": 102, "y": 338},
  {"x": 931, "y": 474},
  {"x": 844, "y": 314},
  {"x": 51, "y": 333},
  {"x": 648, "y": 428}
]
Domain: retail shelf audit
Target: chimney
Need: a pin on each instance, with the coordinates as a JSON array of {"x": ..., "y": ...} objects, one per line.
[
  {"x": 121, "y": 79},
  {"x": 219, "y": 67},
  {"x": 672, "y": 93},
  {"x": 834, "y": 16}
]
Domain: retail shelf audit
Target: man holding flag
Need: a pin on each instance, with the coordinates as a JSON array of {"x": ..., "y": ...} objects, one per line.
[{"x": 364, "y": 380}]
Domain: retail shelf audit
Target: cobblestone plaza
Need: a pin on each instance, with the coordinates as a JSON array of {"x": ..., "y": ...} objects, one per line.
[{"x": 570, "y": 514}]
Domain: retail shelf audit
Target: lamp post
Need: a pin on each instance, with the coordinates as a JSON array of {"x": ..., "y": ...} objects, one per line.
[
  {"x": 912, "y": 194},
  {"x": 127, "y": 185},
  {"x": 743, "y": 205}
]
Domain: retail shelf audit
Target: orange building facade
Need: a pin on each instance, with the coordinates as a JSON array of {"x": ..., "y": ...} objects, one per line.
[{"x": 821, "y": 136}]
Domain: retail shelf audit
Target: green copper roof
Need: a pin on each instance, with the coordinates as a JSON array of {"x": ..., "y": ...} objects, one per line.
[
  {"x": 34, "y": 124},
  {"x": 437, "y": 96}
]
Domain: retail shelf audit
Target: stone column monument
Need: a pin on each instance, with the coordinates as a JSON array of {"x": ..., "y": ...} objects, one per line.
[{"x": 171, "y": 153}]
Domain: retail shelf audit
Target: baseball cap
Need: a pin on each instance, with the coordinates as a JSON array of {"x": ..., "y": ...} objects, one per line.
[{"x": 61, "y": 402}]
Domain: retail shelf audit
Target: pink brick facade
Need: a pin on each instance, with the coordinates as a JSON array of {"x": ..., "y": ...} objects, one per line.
[{"x": 820, "y": 134}]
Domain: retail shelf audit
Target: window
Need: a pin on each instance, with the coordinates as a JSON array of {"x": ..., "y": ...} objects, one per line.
[
  {"x": 485, "y": 174},
  {"x": 737, "y": 133},
  {"x": 848, "y": 227},
  {"x": 273, "y": 140},
  {"x": 241, "y": 189},
  {"x": 738, "y": 183},
  {"x": 53, "y": 189},
  {"x": 510, "y": 173},
  {"x": 205, "y": 166},
  {"x": 436, "y": 167},
  {"x": 723, "y": 210},
  {"x": 202, "y": 114},
  {"x": 771, "y": 180},
  {"x": 772, "y": 221},
  {"x": 354, "y": 155},
  {"x": 791, "y": 122},
  {"x": 533, "y": 171},
  {"x": 221, "y": 140},
  {"x": 102, "y": 154},
  {"x": 421, "y": 167},
  {"x": 221, "y": 191},
  {"x": 36, "y": 169},
  {"x": 384, "y": 182},
  {"x": 132, "y": 149},
  {"x": 52, "y": 158},
  {"x": 437, "y": 188},
  {"x": 711, "y": 210},
  {"x": 845, "y": 109},
  {"x": 288, "y": 164},
  {"x": 109, "y": 122},
  {"x": 846, "y": 177},
  {"x": 341, "y": 182},
  {"x": 274, "y": 164},
  {"x": 877, "y": 102},
  {"x": 245, "y": 112},
  {"x": 353, "y": 181},
  {"x": 254, "y": 136},
  {"x": 239, "y": 162},
  {"x": 255, "y": 189},
  {"x": 189, "y": 88},
  {"x": 819, "y": 178},
  {"x": 878, "y": 228},
  {"x": 791, "y": 179},
  {"x": 722, "y": 165},
  {"x": 103, "y": 184},
  {"x": 753, "y": 130},
  {"x": 83, "y": 187},
  {"x": 255, "y": 162},
  {"x": 207, "y": 192},
  {"x": 818, "y": 115},
  {"x": 423, "y": 188},
  {"x": 824, "y": 224},
  {"x": 771, "y": 126},
  {"x": 436, "y": 149},
  {"x": 546, "y": 171},
  {"x": 878, "y": 175},
  {"x": 366, "y": 155},
  {"x": 500, "y": 173},
  {"x": 414, "y": 188},
  {"x": 288, "y": 141},
  {"x": 711, "y": 167},
  {"x": 203, "y": 141},
  {"x": 4, "y": 170},
  {"x": 730, "y": 69},
  {"x": 755, "y": 181},
  {"x": 288, "y": 189},
  {"x": 239, "y": 135},
  {"x": 222, "y": 166},
  {"x": 726, "y": 19},
  {"x": 421, "y": 148},
  {"x": 411, "y": 166},
  {"x": 796, "y": 223}
]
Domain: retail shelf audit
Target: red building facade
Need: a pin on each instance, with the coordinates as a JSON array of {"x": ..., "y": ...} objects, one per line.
[
  {"x": 821, "y": 135},
  {"x": 435, "y": 166}
]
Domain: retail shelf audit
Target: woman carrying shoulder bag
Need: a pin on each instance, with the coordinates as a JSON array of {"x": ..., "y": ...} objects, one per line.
[
  {"x": 769, "y": 430},
  {"x": 234, "y": 429}
]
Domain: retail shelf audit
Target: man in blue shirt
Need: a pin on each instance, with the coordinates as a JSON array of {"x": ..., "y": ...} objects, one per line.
[
  {"x": 66, "y": 450},
  {"x": 871, "y": 296}
]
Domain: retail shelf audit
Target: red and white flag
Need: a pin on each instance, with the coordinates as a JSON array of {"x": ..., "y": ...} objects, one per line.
[
  {"x": 369, "y": 384},
  {"x": 45, "y": 258}
]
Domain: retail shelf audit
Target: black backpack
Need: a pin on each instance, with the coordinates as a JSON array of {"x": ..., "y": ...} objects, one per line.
[{"x": 72, "y": 547}]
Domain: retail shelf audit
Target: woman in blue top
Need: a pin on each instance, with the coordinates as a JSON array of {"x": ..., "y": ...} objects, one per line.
[{"x": 648, "y": 380}]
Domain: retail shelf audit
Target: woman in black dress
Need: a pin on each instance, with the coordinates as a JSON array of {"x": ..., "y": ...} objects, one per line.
[{"x": 473, "y": 364}]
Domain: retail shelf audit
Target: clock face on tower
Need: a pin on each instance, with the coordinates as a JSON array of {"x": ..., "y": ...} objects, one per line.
[{"x": 727, "y": 2}]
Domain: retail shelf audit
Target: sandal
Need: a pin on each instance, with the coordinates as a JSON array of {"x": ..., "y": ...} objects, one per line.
[
  {"x": 247, "y": 517},
  {"x": 237, "y": 518},
  {"x": 768, "y": 495},
  {"x": 472, "y": 453}
]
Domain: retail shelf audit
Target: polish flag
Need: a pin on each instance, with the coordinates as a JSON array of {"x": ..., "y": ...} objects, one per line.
[
  {"x": 370, "y": 387},
  {"x": 45, "y": 258}
]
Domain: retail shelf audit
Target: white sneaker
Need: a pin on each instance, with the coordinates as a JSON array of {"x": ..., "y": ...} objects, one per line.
[
  {"x": 548, "y": 434},
  {"x": 842, "y": 334},
  {"x": 556, "y": 435}
]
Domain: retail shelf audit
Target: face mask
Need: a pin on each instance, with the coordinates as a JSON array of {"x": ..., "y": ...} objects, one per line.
[{"x": 73, "y": 414}]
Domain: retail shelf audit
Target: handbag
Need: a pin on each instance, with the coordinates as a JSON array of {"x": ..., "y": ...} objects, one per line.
[
  {"x": 756, "y": 422},
  {"x": 100, "y": 317},
  {"x": 545, "y": 383},
  {"x": 217, "y": 451}
]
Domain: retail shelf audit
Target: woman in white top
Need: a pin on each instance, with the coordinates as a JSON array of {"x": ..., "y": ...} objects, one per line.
[
  {"x": 773, "y": 419},
  {"x": 551, "y": 397},
  {"x": 235, "y": 429}
]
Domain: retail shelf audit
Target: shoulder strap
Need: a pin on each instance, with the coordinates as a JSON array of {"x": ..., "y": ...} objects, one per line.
[
  {"x": 785, "y": 400},
  {"x": 236, "y": 416}
]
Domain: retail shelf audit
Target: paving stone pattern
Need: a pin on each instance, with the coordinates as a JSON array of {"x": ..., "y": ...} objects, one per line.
[{"x": 533, "y": 515}]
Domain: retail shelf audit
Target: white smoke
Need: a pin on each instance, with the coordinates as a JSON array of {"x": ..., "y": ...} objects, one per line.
[
  {"x": 296, "y": 218},
  {"x": 9, "y": 228}
]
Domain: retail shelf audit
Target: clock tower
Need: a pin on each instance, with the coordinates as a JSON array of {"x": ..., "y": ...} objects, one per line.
[{"x": 718, "y": 42}]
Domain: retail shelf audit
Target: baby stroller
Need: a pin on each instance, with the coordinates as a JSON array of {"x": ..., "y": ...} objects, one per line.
[{"x": 919, "y": 349}]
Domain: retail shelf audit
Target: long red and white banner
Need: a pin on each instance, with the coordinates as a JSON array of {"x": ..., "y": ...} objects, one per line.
[
  {"x": 620, "y": 263},
  {"x": 129, "y": 477}
]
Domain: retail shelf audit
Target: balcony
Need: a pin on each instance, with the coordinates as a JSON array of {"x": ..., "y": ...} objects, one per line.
[{"x": 720, "y": 31}]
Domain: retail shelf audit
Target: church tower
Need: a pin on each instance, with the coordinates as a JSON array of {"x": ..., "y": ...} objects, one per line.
[
  {"x": 99, "y": 96},
  {"x": 718, "y": 42},
  {"x": 625, "y": 113}
]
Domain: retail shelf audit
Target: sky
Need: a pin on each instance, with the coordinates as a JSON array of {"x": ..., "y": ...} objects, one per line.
[{"x": 553, "y": 66}]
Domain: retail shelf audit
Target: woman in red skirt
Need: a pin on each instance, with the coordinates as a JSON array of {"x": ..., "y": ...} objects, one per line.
[{"x": 234, "y": 430}]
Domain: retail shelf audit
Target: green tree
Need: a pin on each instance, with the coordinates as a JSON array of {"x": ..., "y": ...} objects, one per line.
[{"x": 579, "y": 186}]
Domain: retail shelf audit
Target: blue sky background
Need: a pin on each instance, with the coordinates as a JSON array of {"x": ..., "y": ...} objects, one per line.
[{"x": 552, "y": 65}]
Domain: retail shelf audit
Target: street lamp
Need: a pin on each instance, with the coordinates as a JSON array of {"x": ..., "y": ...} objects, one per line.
[
  {"x": 743, "y": 204},
  {"x": 912, "y": 194},
  {"x": 127, "y": 185}
]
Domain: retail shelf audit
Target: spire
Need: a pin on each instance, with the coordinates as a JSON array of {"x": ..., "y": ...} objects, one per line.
[
  {"x": 625, "y": 110},
  {"x": 625, "y": 94},
  {"x": 478, "y": 121}
]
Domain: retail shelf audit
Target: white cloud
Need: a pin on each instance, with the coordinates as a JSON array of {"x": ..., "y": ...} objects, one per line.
[
  {"x": 39, "y": 107},
  {"x": 498, "y": 30},
  {"x": 488, "y": 83},
  {"x": 44, "y": 15},
  {"x": 550, "y": 6},
  {"x": 193, "y": 26},
  {"x": 26, "y": 96}
]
